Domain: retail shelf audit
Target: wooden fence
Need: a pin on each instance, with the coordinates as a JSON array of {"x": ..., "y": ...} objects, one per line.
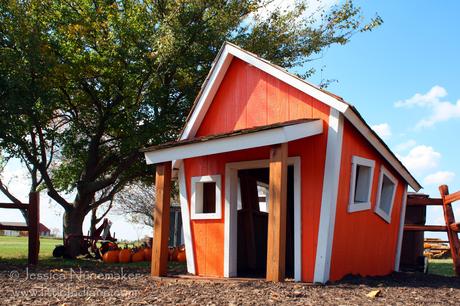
[{"x": 33, "y": 212}]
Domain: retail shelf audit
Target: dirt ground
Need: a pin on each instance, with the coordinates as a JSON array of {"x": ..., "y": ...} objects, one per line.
[{"x": 133, "y": 286}]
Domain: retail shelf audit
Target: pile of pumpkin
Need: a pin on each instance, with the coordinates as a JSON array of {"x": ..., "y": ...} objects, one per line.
[
  {"x": 127, "y": 255},
  {"x": 137, "y": 254}
]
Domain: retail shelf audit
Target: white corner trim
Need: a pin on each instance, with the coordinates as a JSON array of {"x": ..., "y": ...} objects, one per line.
[
  {"x": 329, "y": 197},
  {"x": 197, "y": 197},
  {"x": 239, "y": 142},
  {"x": 188, "y": 241},
  {"x": 297, "y": 219},
  {"x": 360, "y": 206},
  {"x": 378, "y": 210},
  {"x": 230, "y": 226},
  {"x": 401, "y": 229}
]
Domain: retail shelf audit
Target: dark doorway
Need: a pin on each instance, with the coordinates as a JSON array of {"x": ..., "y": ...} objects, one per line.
[{"x": 253, "y": 223}]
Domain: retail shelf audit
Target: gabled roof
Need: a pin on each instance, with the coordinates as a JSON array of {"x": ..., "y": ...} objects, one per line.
[{"x": 217, "y": 73}]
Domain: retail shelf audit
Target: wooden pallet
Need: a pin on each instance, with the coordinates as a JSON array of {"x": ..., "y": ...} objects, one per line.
[{"x": 452, "y": 227}]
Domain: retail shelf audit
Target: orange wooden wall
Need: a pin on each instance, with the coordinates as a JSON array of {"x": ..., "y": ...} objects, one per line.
[
  {"x": 364, "y": 244},
  {"x": 246, "y": 98}
]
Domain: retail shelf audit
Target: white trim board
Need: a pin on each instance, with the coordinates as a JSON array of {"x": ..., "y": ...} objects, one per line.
[
  {"x": 261, "y": 138},
  {"x": 364, "y": 205},
  {"x": 230, "y": 227},
  {"x": 217, "y": 74},
  {"x": 197, "y": 197},
  {"x": 188, "y": 241},
  {"x": 401, "y": 229},
  {"x": 383, "y": 214},
  {"x": 329, "y": 197}
]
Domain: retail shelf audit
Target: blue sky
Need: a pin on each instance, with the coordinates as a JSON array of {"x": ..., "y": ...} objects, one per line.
[{"x": 415, "y": 51}]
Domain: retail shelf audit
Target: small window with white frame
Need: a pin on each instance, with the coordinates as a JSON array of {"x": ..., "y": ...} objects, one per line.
[
  {"x": 206, "y": 197},
  {"x": 362, "y": 174},
  {"x": 386, "y": 194}
]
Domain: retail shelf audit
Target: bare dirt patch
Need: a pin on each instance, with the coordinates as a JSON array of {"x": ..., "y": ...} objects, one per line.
[{"x": 133, "y": 286}]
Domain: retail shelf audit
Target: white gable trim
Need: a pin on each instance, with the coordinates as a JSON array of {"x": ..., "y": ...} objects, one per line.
[
  {"x": 238, "y": 142},
  {"x": 329, "y": 197},
  {"x": 217, "y": 74}
]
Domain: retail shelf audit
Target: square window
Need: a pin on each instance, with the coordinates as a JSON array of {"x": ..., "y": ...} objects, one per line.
[
  {"x": 362, "y": 173},
  {"x": 206, "y": 197},
  {"x": 386, "y": 194}
]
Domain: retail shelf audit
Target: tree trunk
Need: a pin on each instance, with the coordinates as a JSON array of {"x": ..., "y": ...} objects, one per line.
[{"x": 73, "y": 230}]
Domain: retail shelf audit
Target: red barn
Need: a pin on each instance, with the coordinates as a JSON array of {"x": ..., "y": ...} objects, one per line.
[{"x": 279, "y": 178}]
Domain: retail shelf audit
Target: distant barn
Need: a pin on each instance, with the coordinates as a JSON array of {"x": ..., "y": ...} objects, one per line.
[
  {"x": 279, "y": 178},
  {"x": 43, "y": 230}
]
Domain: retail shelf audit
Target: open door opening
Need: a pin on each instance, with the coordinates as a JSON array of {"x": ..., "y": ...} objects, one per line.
[{"x": 253, "y": 223}]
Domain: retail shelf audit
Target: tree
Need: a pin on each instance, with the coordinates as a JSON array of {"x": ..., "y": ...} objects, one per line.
[
  {"x": 84, "y": 84},
  {"x": 136, "y": 202}
]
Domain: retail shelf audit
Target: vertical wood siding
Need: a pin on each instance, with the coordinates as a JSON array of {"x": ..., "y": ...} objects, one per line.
[
  {"x": 364, "y": 244},
  {"x": 248, "y": 97}
]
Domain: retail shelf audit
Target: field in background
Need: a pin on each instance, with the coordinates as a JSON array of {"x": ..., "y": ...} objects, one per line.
[{"x": 17, "y": 247}]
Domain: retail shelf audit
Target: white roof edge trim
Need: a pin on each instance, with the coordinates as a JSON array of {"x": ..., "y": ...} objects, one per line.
[
  {"x": 218, "y": 71},
  {"x": 238, "y": 142},
  {"x": 367, "y": 133}
]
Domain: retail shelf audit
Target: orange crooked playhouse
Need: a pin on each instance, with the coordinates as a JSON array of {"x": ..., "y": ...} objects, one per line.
[{"x": 278, "y": 179}]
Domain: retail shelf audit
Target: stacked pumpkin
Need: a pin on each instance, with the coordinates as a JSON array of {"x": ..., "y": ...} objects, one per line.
[
  {"x": 177, "y": 253},
  {"x": 127, "y": 255}
]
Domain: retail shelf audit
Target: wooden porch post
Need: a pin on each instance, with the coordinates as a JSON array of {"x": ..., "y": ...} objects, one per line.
[
  {"x": 276, "y": 244},
  {"x": 34, "y": 233},
  {"x": 161, "y": 220}
]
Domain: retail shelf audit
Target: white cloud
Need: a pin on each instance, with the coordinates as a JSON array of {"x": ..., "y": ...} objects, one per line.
[
  {"x": 405, "y": 145},
  {"x": 430, "y": 98},
  {"x": 439, "y": 178},
  {"x": 440, "y": 110},
  {"x": 421, "y": 158},
  {"x": 383, "y": 130}
]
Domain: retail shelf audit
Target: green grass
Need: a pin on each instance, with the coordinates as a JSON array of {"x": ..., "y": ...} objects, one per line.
[
  {"x": 441, "y": 267},
  {"x": 13, "y": 250},
  {"x": 17, "y": 247}
]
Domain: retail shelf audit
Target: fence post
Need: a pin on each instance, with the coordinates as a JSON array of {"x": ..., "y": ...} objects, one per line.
[{"x": 34, "y": 221}]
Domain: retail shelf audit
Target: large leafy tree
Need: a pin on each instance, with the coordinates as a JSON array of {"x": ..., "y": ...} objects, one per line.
[{"x": 84, "y": 84}]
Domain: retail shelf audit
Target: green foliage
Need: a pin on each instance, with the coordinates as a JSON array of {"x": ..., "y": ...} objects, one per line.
[{"x": 85, "y": 84}]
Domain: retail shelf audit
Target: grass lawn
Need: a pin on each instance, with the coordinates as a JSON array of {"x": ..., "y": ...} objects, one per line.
[
  {"x": 441, "y": 267},
  {"x": 14, "y": 250},
  {"x": 17, "y": 247}
]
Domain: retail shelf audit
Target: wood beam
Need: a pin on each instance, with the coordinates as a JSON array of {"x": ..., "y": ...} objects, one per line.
[
  {"x": 276, "y": 241},
  {"x": 34, "y": 221},
  {"x": 161, "y": 220},
  {"x": 14, "y": 206}
]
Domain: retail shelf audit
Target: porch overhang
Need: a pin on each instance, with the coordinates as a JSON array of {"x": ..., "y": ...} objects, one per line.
[{"x": 234, "y": 141}]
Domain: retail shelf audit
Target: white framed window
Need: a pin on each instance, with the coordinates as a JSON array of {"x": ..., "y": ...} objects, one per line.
[
  {"x": 206, "y": 197},
  {"x": 362, "y": 174},
  {"x": 386, "y": 194}
]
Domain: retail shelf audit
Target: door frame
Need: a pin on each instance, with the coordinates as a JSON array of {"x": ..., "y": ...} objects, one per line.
[{"x": 230, "y": 215}]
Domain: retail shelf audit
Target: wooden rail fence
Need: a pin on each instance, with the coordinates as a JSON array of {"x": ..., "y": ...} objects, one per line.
[{"x": 32, "y": 228}]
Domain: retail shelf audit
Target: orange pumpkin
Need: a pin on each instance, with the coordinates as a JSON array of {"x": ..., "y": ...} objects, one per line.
[
  {"x": 181, "y": 254},
  {"x": 147, "y": 254},
  {"x": 174, "y": 254},
  {"x": 124, "y": 256},
  {"x": 111, "y": 256},
  {"x": 137, "y": 256}
]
